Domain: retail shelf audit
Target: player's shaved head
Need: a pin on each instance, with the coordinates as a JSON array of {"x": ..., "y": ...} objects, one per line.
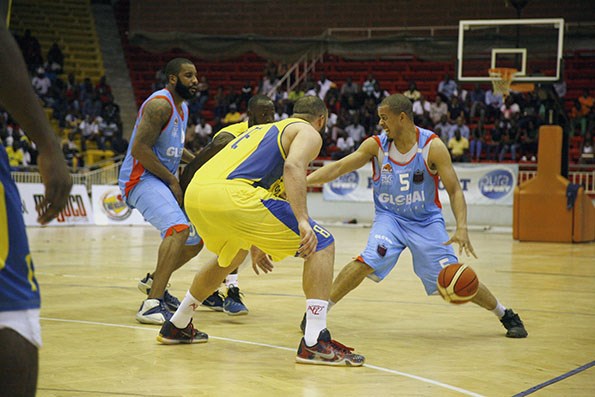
[
  {"x": 398, "y": 103},
  {"x": 261, "y": 110},
  {"x": 309, "y": 107}
]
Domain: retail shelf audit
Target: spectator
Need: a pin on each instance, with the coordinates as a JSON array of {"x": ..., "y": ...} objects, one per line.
[
  {"x": 461, "y": 127},
  {"x": 325, "y": 85},
  {"x": 31, "y": 50},
  {"x": 478, "y": 102},
  {"x": 280, "y": 112},
  {"x": 203, "y": 93},
  {"x": 89, "y": 130},
  {"x": 220, "y": 103},
  {"x": 104, "y": 91},
  {"x": 356, "y": 131},
  {"x": 245, "y": 94},
  {"x": 160, "y": 81},
  {"x": 41, "y": 84},
  {"x": 345, "y": 145},
  {"x": 587, "y": 156},
  {"x": 378, "y": 93},
  {"x": 476, "y": 143},
  {"x": 493, "y": 105},
  {"x": 528, "y": 137},
  {"x": 55, "y": 60},
  {"x": 71, "y": 152},
  {"x": 233, "y": 115},
  {"x": 202, "y": 133},
  {"x": 493, "y": 141},
  {"x": 455, "y": 109},
  {"x": 442, "y": 129},
  {"x": 458, "y": 147},
  {"x": 447, "y": 88},
  {"x": 509, "y": 108},
  {"x": 368, "y": 86},
  {"x": 412, "y": 93},
  {"x": 438, "y": 108},
  {"x": 349, "y": 88},
  {"x": 15, "y": 153},
  {"x": 421, "y": 111}
]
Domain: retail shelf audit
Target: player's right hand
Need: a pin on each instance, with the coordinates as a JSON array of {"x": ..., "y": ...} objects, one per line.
[{"x": 309, "y": 241}]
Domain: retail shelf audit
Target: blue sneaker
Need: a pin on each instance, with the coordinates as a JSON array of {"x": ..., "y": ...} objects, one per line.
[
  {"x": 153, "y": 311},
  {"x": 171, "y": 302},
  {"x": 233, "y": 305},
  {"x": 214, "y": 302}
]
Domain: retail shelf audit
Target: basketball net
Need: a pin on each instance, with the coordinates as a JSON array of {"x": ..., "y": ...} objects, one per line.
[{"x": 501, "y": 80}]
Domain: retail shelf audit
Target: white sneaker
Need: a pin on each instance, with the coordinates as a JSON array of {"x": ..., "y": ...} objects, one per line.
[
  {"x": 145, "y": 284},
  {"x": 533, "y": 158},
  {"x": 153, "y": 311},
  {"x": 524, "y": 158}
]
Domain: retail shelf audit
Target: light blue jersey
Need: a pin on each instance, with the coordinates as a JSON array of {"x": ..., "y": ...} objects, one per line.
[
  {"x": 408, "y": 213},
  {"x": 168, "y": 148}
]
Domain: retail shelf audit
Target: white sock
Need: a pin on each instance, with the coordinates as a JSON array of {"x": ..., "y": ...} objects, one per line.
[
  {"x": 183, "y": 315},
  {"x": 499, "y": 310},
  {"x": 231, "y": 280},
  {"x": 315, "y": 320}
]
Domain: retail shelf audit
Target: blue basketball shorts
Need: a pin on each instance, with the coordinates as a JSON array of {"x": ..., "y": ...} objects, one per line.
[
  {"x": 158, "y": 205},
  {"x": 390, "y": 236}
]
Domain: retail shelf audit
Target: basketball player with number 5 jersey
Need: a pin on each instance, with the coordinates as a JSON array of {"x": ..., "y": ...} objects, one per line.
[{"x": 408, "y": 162}]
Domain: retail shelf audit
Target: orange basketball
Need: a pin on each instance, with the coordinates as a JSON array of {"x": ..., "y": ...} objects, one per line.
[{"x": 457, "y": 283}]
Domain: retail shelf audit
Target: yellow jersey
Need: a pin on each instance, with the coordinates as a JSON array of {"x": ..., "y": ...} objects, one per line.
[{"x": 236, "y": 129}]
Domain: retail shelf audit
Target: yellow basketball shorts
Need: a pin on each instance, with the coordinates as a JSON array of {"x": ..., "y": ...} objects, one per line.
[{"x": 233, "y": 215}]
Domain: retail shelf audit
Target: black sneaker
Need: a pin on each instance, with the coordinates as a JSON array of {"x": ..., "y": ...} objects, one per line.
[
  {"x": 513, "y": 324},
  {"x": 303, "y": 324},
  {"x": 172, "y": 335},
  {"x": 214, "y": 302}
]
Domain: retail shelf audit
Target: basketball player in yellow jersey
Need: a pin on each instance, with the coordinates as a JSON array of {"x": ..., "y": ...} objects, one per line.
[
  {"x": 230, "y": 202},
  {"x": 261, "y": 110}
]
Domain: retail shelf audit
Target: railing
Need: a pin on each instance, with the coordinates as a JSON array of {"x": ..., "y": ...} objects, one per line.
[
  {"x": 106, "y": 175},
  {"x": 298, "y": 71}
]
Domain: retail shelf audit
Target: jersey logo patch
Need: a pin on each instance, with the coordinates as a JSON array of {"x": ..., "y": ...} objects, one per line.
[
  {"x": 418, "y": 177},
  {"x": 381, "y": 249}
]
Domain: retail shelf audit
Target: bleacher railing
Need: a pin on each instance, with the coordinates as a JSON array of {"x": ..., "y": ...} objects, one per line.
[{"x": 106, "y": 175}]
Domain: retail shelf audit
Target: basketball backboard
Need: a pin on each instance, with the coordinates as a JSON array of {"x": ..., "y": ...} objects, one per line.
[{"x": 532, "y": 46}]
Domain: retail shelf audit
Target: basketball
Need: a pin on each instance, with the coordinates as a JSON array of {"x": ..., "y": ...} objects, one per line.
[{"x": 457, "y": 283}]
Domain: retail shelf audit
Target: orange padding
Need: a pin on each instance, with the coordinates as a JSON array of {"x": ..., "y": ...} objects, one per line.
[{"x": 177, "y": 228}]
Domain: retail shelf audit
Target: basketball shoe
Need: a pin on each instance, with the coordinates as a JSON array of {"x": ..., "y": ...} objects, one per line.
[
  {"x": 172, "y": 335},
  {"x": 144, "y": 285},
  {"x": 233, "y": 305},
  {"x": 328, "y": 352},
  {"x": 153, "y": 311},
  {"x": 513, "y": 324},
  {"x": 214, "y": 302}
]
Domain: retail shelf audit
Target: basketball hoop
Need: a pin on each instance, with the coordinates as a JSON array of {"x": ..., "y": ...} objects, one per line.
[{"x": 501, "y": 80}]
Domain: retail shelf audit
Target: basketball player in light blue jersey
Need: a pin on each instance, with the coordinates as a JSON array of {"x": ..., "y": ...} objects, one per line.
[
  {"x": 408, "y": 162},
  {"x": 20, "y": 331},
  {"x": 148, "y": 183}
]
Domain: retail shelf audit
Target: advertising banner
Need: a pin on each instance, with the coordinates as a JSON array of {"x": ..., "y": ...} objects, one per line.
[
  {"x": 482, "y": 184},
  {"x": 78, "y": 210},
  {"x": 110, "y": 209}
]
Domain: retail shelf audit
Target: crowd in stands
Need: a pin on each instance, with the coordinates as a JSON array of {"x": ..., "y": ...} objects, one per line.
[
  {"x": 83, "y": 112},
  {"x": 475, "y": 124}
]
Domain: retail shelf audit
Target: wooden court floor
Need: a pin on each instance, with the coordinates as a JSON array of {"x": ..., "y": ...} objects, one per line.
[{"x": 414, "y": 345}]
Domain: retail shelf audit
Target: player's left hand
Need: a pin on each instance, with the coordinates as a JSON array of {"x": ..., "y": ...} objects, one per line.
[
  {"x": 260, "y": 260},
  {"x": 57, "y": 182},
  {"x": 461, "y": 237}
]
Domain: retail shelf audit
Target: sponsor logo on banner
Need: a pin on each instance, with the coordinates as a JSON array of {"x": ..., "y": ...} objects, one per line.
[
  {"x": 74, "y": 212},
  {"x": 496, "y": 184},
  {"x": 113, "y": 206},
  {"x": 345, "y": 184}
]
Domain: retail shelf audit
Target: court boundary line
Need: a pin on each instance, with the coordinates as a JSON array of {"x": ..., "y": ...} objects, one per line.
[
  {"x": 557, "y": 379},
  {"x": 374, "y": 367}
]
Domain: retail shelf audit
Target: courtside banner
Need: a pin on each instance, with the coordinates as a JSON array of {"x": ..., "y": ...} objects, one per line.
[
  {"x": 487, "y": 184},
  {"x": 78, "y": 210},
  {"x": 110, "y": 209}
]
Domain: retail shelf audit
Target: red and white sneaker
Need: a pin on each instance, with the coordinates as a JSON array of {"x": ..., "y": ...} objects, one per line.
[
  {"x": 172, "y": 335},
  {"x": 328, "y": 352}
]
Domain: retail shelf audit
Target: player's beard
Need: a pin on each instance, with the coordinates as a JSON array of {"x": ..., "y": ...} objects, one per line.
[{"x": 183, "y": 90}]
